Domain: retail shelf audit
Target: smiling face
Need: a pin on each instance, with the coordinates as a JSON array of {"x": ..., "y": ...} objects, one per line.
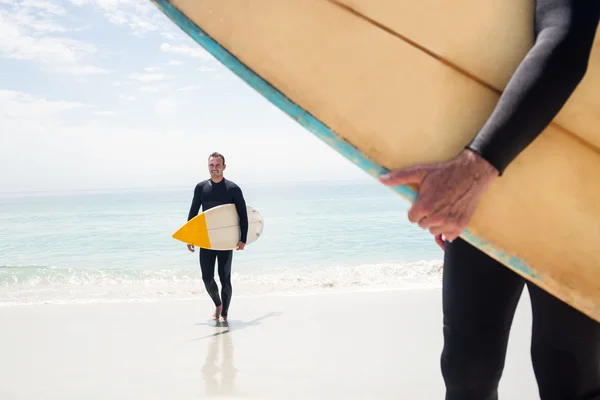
[{"x": 216, "y": 166}]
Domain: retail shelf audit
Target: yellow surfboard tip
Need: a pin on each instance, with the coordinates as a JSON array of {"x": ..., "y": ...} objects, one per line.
[{"x": 194, "y": 232}]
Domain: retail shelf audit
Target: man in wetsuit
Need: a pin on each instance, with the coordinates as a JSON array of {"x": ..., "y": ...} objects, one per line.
[
  {"x": 479, "y": 294},
  {"x": 210, "y": 193}
]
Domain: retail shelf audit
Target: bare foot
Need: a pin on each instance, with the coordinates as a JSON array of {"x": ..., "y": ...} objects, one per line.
[
  {"x": 217, "y": 312},
  {"x": 222, "y": 319}
]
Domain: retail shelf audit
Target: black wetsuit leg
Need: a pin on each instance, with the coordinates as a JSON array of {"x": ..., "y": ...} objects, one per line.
[
  {"x": 565, "y": 349},
  {"x": 225, "y": 258},
  {"x": 208, "y": 259},
  {"x": 479, "y": 300},
  {"x": 480, "y": 296}
]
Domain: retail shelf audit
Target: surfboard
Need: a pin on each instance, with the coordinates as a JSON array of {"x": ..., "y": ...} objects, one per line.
[
  {"x": 218, "y": 228},
  {"x": 391, "y": 84}
]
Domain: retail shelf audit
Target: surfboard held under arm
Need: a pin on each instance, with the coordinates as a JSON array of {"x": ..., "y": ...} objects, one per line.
[{"x": 219, "y": 228}]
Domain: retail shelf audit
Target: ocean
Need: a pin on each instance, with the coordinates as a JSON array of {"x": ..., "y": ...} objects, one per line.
[{"x": 116, "y": 245}]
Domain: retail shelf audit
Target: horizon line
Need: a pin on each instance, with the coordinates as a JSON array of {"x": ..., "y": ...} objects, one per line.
[{"x": 181, "y": 186}]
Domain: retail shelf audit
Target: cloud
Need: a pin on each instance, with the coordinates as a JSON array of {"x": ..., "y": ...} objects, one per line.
[
  {"x": 165, "y": 107},
  {"x": 20, "y": 107},
  {"x": 143, "y": 147},
  {"x": 187, "y": 88},
  {"x": 195, "y": 52},
  {"x": 175, "y": 62},
  {"x": 37, "y": 16},
  {"x": 204, "y": 68},
  {"x": 149, "y": 77},
  {"x": 28, "y": 31},
  {"x": 150, "y": 89},
  {"x": 43, "y": 5},
  {"x": 140, "y": 16},
  {"x": 40, "y": 135},
  {"x": 171, "y": 36},
  {"x": 84, "y": 70},
  {"x": 119, "y": 83},
  {"x": 105, "y": 113}
]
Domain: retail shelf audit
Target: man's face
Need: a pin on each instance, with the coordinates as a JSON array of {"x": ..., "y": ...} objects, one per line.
[{"x": 215, "y": 167}]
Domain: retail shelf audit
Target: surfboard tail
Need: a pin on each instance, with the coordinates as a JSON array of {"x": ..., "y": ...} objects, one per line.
[{"x": 195, "y": 232}]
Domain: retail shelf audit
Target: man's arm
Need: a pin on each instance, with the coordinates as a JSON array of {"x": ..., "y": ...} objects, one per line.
[
  {"x": 240, "y": 205},
  {"x": 196, "y": 202},
  {"x": 449, "y": 192},
  {"x": 543, "y": 82}
]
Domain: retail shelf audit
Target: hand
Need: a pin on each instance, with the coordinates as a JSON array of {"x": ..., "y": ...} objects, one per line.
[
  {"x": 190, "y": 247},
  {"x": 448, "y": 193},
  {"x": 240, "y": 246}
]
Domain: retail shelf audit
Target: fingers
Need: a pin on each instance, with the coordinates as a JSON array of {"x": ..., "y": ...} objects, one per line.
[
  {"x": 452, "y": 235},
  {"x": 440, "y": 241},
  {"x": 449, "y": 232},
  {"x": 417, "y": 213},
  {"x": 420, "y": 212},
  {"x": 453, "y": 228},
  {"x": 438, "y": 223},
  {"x": 403, "y": 176},
  {"x": 438, "y": 230},
  {"x": 424, "y": 218},
  {"x": 426, "y": 213}
]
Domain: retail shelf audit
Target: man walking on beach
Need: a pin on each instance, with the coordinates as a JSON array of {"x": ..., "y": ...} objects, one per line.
[
  {"x": 210, "y": 193},
  {"x": 479, "y": 294}
]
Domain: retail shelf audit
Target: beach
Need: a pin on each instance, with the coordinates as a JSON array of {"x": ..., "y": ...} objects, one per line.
[
  {"x": 339, "y": 299},
  {"x": 352, "y": 345}
]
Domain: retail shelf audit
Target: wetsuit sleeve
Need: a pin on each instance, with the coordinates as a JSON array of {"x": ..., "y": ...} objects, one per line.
[
  {"x": 240, "y": 205},
  {"x": 543, "y": 82},
  {"x": 196, "y": 202}
]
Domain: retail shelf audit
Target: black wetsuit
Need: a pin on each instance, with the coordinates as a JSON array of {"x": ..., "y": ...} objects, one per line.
[
  {"x": 208, "y": 194},
  {"x": 479, "y": 294}
]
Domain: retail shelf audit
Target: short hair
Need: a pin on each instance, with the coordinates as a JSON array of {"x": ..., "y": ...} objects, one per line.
[{"x": 217, "y": 154}]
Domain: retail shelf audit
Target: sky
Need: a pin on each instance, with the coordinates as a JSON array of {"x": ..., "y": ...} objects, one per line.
[{"x": 98, "y": 94}]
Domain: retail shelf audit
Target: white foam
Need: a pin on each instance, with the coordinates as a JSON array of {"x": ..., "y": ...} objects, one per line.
[{"x": 42, "y": 285}]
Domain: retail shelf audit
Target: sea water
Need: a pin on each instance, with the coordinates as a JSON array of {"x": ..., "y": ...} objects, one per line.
[{"x": 116, "y": 245}]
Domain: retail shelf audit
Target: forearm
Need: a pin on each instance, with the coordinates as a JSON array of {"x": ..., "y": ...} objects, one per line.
[
  {"x": 541, "y": 85},
  {"x": 243, "y": 227},
  {"x": 240, "y": 205}
]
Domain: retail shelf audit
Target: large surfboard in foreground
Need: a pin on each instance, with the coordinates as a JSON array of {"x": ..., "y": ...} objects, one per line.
[{"x": 389, "y": 84}]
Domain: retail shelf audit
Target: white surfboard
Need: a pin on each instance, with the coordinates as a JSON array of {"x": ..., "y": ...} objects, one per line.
[{"x": 219, "y": 228}]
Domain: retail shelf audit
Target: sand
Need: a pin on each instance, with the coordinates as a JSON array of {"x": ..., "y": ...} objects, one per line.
[{"x": 360, "y": 345}]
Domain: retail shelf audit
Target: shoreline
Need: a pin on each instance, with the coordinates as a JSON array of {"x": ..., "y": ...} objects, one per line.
[{"x": 204, "y": 296}]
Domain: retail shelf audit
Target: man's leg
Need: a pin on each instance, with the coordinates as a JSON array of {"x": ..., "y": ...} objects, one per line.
[
  {"x": 225, "y": 259},
  {"x": 207, "y": 265},
  {"x": 479, "y": 300},
  {"x": 565, "y": 349}
]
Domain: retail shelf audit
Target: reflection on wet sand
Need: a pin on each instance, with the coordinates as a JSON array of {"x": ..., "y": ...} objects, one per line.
[
  {"x": 224, "y": 368},
  {"x": 212, "y": 367}
]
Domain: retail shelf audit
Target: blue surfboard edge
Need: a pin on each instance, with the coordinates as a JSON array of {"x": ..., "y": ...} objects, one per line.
[{"x": 320, "y": 130}]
